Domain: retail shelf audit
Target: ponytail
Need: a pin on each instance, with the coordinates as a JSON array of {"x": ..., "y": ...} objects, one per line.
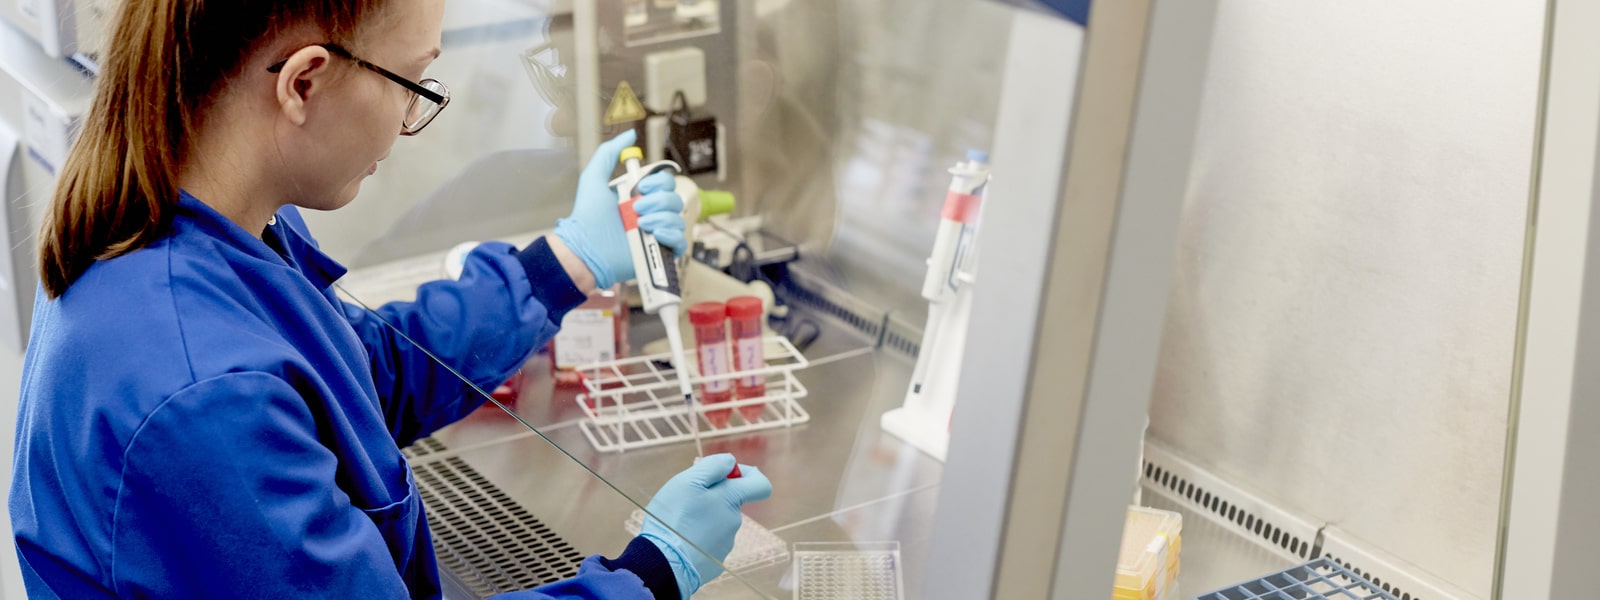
[
  {"x": 119, "y": 184},
  {"x": 165, "y": 60}
]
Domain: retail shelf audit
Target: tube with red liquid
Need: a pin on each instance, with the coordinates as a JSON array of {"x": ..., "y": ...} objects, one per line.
[
  {"x": 711, "y": 344},
  {"x": 594, "y": 332},
  {"x": 744, "y": 314}
]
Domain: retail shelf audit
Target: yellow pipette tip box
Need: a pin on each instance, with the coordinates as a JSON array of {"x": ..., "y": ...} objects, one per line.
[{"x": 1148, "y": 562}]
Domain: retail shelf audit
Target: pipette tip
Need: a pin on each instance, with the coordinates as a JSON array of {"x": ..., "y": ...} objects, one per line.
[{"x": 694, "y": 425}]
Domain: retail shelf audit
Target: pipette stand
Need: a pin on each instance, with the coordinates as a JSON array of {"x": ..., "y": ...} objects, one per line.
[{"x": 924, "y": 419}]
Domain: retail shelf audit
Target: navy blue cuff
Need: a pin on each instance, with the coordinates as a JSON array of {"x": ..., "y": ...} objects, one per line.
[
  {"x": 552, "y": 287},
  {"x": 644, "y": 559}
]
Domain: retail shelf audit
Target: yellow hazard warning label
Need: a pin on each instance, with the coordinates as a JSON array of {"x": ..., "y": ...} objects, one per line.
[{"x": 625, "y": 107}]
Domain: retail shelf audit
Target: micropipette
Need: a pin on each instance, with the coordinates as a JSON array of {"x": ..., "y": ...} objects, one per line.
[
  {"x": 951, "y": 263},
  {"x": 657, "y": 269}
]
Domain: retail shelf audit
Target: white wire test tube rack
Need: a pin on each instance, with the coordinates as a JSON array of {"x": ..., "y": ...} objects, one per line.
[{"x": 636, "y": 403}]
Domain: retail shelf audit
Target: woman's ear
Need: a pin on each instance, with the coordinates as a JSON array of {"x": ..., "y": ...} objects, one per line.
[{"x": 305, "y": 73}]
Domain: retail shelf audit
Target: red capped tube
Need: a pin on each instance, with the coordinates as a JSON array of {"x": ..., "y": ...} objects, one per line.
[
  {"x": 749, "y": 352},
  {"x": 711, "y": 345}
]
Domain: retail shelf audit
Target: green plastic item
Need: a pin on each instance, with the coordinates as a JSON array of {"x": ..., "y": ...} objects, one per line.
[{"x": 715, "y": 202}]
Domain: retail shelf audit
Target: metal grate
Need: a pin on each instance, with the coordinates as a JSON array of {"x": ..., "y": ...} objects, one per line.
[
  {"x": 858, "y": 322},
  {"x": 1238, "y": 513},
  {"x": 833, "y": 302},
  {"x": 1394, "y": 590},
  {"x": 484, "y": 538},
  {"x": 885, "y": 328},
  {"x": 424, "y": 447},
  {"x": 1292, "y": 537},
  {"x": 902, "y": 337},
  {"x": 1320, "y": 579}
]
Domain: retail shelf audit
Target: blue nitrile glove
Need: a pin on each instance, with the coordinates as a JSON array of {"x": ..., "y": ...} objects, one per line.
[
  {"x": 702, "y": 504},
  {"x": 594, "y": 230}
]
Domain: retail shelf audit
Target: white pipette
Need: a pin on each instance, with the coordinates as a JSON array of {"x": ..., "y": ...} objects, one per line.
[
  {"x": 669, "y": 314},
  {"x": 657, "y": 270},
  {"x": 953, "y": 251}
]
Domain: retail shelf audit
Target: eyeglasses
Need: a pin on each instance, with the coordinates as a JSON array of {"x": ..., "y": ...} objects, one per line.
[{"x": 428, "y": 97}]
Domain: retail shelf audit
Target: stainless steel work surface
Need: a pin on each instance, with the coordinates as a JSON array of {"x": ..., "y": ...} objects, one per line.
[{"x": 837, "y": 478}]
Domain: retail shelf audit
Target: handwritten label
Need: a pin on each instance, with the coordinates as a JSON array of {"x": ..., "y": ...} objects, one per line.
[{"x": 587, "y": 336}]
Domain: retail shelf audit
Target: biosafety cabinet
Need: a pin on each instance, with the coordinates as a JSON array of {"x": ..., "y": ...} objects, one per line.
[{"x": 1308, "y": 280}]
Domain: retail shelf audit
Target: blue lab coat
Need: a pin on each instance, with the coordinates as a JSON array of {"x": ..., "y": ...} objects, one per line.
[{"x": 205, "y": 418}]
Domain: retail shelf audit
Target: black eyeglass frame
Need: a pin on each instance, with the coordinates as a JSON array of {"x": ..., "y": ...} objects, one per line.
[{"x": 414, "y": 87}]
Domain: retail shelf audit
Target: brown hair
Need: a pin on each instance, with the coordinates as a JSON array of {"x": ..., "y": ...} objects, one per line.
[{"x": 164, "y": 61}]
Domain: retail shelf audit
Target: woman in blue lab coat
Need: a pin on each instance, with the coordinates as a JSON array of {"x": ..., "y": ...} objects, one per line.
[{"x": 200, "y": 415}]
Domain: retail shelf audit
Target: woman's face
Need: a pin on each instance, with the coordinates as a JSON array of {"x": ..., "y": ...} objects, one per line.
[{"x": 352, "y": 122}]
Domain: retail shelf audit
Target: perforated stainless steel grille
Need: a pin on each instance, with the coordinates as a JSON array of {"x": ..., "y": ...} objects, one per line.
[
  {"x": 485, "y": 540},
  {"x": 424, "y": 447},
  {"x": 1203, "y": 492}
]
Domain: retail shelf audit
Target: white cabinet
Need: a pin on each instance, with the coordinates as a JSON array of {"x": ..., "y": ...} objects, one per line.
[
  {"x": 49, "y": 22},
  {"x": 42, "y": 101}
]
